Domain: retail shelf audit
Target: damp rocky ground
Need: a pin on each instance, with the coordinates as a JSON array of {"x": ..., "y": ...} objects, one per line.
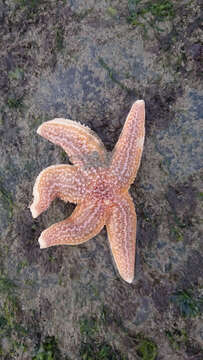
[{"x": 88, "y": 61}]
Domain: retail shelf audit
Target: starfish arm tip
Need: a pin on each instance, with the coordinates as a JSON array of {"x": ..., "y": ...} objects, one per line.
[
  {"x": 34, "y": 211},
  {"x": 140, "y": 101},
  {"x": 42, "y": 243},
  {"x": 129, "y": 280},
  {"x": 39, "y": 129}
]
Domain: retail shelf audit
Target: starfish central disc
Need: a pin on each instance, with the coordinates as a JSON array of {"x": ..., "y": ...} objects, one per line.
[{"x": 101, "y": 187}]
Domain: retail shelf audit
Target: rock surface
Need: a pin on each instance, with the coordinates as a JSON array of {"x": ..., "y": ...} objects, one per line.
[{"x": 89, "y": 61}]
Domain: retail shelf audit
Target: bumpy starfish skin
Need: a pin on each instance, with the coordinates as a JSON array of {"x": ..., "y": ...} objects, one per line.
[{"x": 97, "y": 185}]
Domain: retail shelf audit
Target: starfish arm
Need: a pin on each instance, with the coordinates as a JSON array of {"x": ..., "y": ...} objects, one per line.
[
  {"x": 86, "y": 221},
  {"x": 66, "y": 182},
  {"x": 128, "y": 150},
  {"x": 121, "y": 228},
  {"x": 80, "y": 143}
]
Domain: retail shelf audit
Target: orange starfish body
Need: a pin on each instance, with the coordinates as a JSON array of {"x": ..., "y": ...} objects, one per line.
[{"x": 95, "y": 182}]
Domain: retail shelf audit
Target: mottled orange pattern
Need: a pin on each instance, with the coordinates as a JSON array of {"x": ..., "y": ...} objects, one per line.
[{"x": 97, "y": 183}]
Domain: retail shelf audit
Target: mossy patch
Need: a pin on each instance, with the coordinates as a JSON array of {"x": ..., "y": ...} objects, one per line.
[
  {"x": 95, "y": 346},
  {"x": 30, "y": 4},
  {"x": 92, "y": 346},
  {"x": 17, "y": 74},
  {"x": 7, "y": 286},
  {"x": 149, "y": 14},
  {"x": 48, "y": 350},
  {"x": 91, "y": 351},
  {"x": 188, "y": 304},
  {"x": 177, "y": 337},
  {"x": 88, "y": 326},
  {"x": 15, "y": 103},
  {"x": 112, "y": 11},
  {"x": 146, "y": 349},
  {"x": 176, "y": 233},
  {"x": 10, "y": 311},
  {"x": 59, "y": 38}
]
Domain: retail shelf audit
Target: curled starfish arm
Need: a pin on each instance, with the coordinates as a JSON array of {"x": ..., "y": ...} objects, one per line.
[
  {"x": 86, "y": 221},
  {"x": 121, "y": 228},
  {"x": 80, "y": 143},
  {"x": 66, "y": 182},
  {"x": 128, "y": 150}
]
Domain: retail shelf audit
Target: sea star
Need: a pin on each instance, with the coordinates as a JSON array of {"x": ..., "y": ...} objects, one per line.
[{"x": 97, "y": 183}]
